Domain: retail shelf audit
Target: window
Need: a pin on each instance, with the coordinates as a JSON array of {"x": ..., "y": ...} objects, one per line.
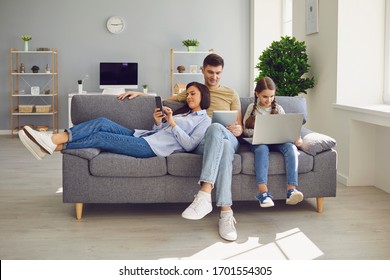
[
  {"x": 287, "y": 17},
  {"x": 386, "y": 92}
]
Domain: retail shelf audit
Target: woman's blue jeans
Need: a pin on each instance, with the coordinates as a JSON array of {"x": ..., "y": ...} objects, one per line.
[
  {"x": 109, "y": 136},
  {"x": 290, "y": 153},
  {"x": 218, "y": 148}
]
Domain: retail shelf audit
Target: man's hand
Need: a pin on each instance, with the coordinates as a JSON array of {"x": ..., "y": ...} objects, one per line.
[
  {"x": 130, "y": 95},
  {"x": 236, "y": 129}
]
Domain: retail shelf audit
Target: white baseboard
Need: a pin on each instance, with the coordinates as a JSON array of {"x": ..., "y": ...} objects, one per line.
[
  {"x": 341, "y": 178},
  {"x": 5, "y": 132}
]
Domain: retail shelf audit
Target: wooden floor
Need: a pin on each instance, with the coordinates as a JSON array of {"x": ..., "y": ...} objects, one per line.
[{"x": 35, "y": 224}]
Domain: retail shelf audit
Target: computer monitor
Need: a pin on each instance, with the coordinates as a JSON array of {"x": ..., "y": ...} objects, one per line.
[{"x": 118, "y": 76}]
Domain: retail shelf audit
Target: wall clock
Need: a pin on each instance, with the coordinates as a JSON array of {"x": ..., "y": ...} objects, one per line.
[{"x": 115, "y": 24}]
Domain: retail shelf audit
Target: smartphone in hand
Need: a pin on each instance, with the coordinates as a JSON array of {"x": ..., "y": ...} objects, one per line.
[{"x": 159, "y": 105}]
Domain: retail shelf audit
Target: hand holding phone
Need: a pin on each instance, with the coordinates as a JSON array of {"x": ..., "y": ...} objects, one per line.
[{"x": 160, "y": 106}]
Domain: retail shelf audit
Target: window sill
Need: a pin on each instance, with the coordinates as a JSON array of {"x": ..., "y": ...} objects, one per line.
[{"x": 378, "y": 114}]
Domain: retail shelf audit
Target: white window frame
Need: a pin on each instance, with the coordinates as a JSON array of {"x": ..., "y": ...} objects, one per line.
[
  {"x": 386, "y": 87},
  {"x": 287, "y": 17}
]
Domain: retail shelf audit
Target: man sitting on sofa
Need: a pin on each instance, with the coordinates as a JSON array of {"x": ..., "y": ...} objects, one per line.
[{"x": 218, "y": 148}]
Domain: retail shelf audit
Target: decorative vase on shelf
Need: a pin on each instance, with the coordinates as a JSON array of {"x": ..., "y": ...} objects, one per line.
[{"x": 26, "y": 46}]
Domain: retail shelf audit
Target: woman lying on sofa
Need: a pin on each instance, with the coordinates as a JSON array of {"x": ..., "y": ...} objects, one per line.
[{"x": 180, "y": 132}]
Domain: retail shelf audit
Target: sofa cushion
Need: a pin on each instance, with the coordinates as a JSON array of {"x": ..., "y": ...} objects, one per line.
[
  {"x": 190, "y": 165},
  {"x": 315, "y": 143},
  {"x": 115, "y": 165},
  {"x": 134, "y": 113},
  {"x": 174, "y": 105},
  {"x": 276, "y": 162}
]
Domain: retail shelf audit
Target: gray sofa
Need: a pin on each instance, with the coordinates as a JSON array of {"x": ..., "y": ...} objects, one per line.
[{"x": 95, "y": 176}]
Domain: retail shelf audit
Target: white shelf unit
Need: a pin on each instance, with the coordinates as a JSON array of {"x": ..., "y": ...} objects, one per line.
[
  {"x": 20, "y": 83},
  {"x": 198, "y": 60}
]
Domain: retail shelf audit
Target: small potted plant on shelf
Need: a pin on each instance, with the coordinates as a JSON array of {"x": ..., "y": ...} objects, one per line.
[
  {"x": 26, "y": 38},
  {"x": 145, "y": 87},
  {"x": 191, "y": 44}
]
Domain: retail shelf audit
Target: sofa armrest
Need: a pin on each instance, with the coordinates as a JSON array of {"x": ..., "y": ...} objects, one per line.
[
  {"x": 88, "y": 153},
  {"x": 315, "y": 143}
]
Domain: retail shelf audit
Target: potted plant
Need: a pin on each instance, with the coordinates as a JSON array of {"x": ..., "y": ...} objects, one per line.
[
  {"x": 286, "y": 61},
  {"x": 26, "y": 38},
  {"x": 191, "y": 44},
  {"x": 145, "y": 87}
]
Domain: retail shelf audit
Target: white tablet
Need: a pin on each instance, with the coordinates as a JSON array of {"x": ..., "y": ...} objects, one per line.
[{"x": 224, "y": 117}]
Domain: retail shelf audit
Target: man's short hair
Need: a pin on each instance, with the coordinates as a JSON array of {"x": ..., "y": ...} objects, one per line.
[{"x": 214, "y": 60}]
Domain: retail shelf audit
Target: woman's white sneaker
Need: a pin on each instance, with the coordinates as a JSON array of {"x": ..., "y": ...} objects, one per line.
[
  {"x": 42, "y": 139},
  {"x": 35, "y": 150}
]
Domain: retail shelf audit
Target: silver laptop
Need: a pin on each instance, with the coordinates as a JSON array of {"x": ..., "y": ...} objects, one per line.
[
  {"x": 224, "y": 117},
  {"x": 276, "y": 129}
]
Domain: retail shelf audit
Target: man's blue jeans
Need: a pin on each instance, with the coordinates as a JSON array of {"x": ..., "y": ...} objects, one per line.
[
  {"x": 290, "y": 153},
  {"x": 218, "y": 148},
  {"x": 109, "y": 136}
]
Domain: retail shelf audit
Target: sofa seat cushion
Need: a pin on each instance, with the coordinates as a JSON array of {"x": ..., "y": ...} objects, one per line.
[
  {"x": 190, "y": 165},
  {"x": 276, "y": 163},
  {"x": 115, "y": 165}
]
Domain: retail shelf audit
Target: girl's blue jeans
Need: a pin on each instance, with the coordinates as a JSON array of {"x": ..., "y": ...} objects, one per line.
[
  {"x": 109, "y": 136},
  {"x": 290, "y": 154}
]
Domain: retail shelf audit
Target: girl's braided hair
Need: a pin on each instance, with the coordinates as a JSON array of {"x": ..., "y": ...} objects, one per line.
[{"x": 262, "y": 84}]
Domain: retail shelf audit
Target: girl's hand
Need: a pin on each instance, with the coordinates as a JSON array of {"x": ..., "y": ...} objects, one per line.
[{"x": 298, "y": 142}]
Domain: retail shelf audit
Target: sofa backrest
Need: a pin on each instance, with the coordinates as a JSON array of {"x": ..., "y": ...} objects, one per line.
[
  {"x": 290, "y": 104},
  {"x": 138, "y": 112},
  {"x": 134, "y": 113}
]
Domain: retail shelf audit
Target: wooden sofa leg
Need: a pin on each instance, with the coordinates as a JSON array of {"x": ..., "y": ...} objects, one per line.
[
  {"x": 79, "y": 210},
  {"x": 320, "y": 204}
]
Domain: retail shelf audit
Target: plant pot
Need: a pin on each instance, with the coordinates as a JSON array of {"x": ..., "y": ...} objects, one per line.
[
  {"x": 26, "y": 46},
  {"x": 145, "y": 90},
  {"x": 191, "y": 48}
]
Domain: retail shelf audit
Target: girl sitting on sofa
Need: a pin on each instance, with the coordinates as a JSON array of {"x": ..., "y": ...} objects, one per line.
[
  {"x": 265, "y": 104},
  {"x": 180, "y": 132}
]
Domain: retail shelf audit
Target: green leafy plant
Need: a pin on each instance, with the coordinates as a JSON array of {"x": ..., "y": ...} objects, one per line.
[
  {"x": 190, "y": 42},
  {"x": 145, "y": 86},
  {"x": 286, "y": 61},
  {"x": 26, "y": 37}
]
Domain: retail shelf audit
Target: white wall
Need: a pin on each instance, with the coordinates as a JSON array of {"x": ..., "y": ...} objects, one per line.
[
  {"x": 266, "y": 24},
  {"x": 361, "y": 32},
  {"x": 347, "y": 62},
  {"x": 78, "y": 30},
  {"x": 322, "y": 53}
]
